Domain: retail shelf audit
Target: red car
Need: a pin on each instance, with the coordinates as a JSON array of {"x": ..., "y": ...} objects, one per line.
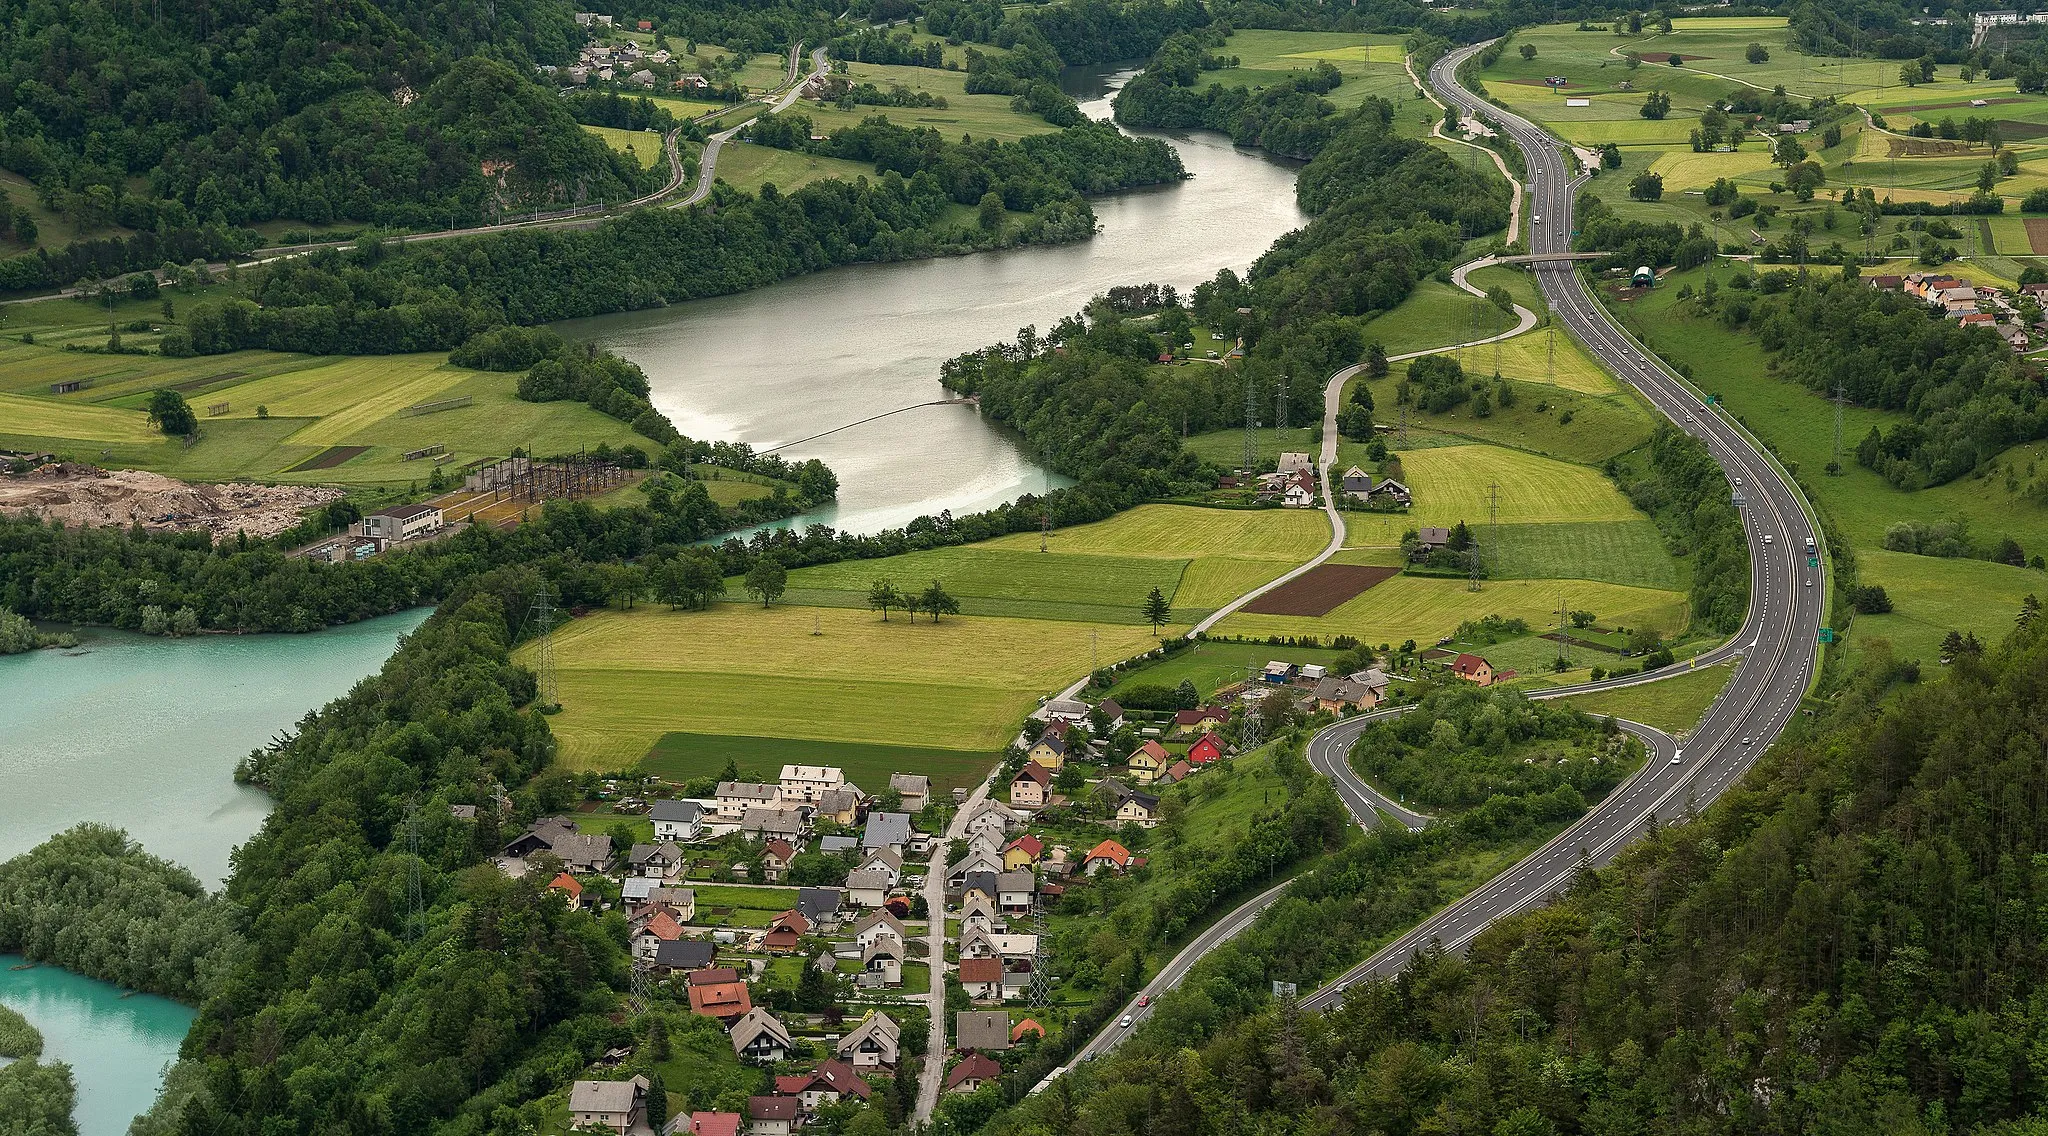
[{"x": 1144, "y": 1000}]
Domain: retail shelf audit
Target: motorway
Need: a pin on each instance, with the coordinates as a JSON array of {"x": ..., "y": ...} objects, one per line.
[{"x": 1773, "y": 655}]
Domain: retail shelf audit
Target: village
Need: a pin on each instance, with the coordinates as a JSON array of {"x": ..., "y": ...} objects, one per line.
[
  {"x": 899, "y": 904},
  {"x": 2018, "y": 319}
]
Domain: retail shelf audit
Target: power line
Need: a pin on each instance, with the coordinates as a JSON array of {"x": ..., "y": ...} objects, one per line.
[
  {"x": 543, "y": 616},
  {"x": 1251, "y": 427}
]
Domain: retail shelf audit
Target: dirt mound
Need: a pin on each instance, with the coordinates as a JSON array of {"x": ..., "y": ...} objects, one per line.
[{"x": 86, "y": 495}]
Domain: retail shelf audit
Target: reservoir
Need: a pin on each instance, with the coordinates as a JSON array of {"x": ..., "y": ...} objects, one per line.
[
  {"x": 117, "y": 1043},
  {"x": 144, "y": 732},
  {"x": 796, "y": 358}
]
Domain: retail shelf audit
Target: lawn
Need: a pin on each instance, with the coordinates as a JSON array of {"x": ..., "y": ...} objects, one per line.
[
  {"x": 681, "y": 756},
  {"x": 1931, "y": 597},
  {"x": 628, "y": 678},
  {"x": 1425, "y": 608},
  {"x": 644, "y": 145},
  {"x": 1452, "y": 483},
  {"x": 1619, "y": 552},
  {"x": 744, "y": 165},
  {"x": 980, "y": 116},
  {"x": 1077, "y": 585},
  {"x": 1673, "y": 705},
  {"x": 1215, "y": 664}
]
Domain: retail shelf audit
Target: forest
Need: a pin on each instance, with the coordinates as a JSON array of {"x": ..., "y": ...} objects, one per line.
[
  {"x": 1968, "y": 398},
  {"x": 1463, "y": 744},
  {"x": 1678, "y": 483},
  {"x": 1289, "y": 118}
]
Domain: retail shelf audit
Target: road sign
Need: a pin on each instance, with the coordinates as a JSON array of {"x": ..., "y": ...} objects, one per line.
[
  {"x": 1813, "y": 562},
  {"x": 1712, "y": 399},
  {"x": 1737, "y": 500},
  {"x": 1827, "y": 634},
  {"x": 1283, "y": 989}
]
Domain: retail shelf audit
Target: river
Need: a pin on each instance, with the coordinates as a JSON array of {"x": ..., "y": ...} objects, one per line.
[
  {"x": 117, "y": 1043},
  {"x": 806, "y": 355},
  {"x": 144, "y": 732}
]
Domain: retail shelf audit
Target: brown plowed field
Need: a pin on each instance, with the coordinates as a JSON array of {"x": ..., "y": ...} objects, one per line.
[
  {"x": 327, "y": 459},
  {"x": 2037, "y": 233},
  {"x": 1320, "y": 591}
]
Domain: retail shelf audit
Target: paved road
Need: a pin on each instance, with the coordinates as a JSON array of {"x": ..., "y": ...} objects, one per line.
[
  {"x": 935, "y": 907},
  {"x": 707, "y": 162}
]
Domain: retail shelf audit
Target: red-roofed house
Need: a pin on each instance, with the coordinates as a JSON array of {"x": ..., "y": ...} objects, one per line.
[
  {"x": 783, "y": 934},
  {"x": 570, "y": 888},
  {"x": 973, "y": 1070},
  {"x": 827, "y": 1084},
  {"x": 776, "y": 857},
  {"x": 661, "y": 928},
  {"x": 1200, "y": 721},
  {"x": 717, "y": 992},
  {"x": 1022, "y": 852},
  {"x": 1108, "y": 854},
  {"x": 715, "y": 1124},
  {"x": 1148, "y": 761},
  {"x": 982, "y": 978},
  {"x": 1176, "y": 773},
  {"x": 773, "y": 1116},
  {"x": 1472, "y": 668},
  {"x": 1026, "y": 1027},
  {"x": 1032, "y": 785},
  {"x": 1205, "y": 750}
]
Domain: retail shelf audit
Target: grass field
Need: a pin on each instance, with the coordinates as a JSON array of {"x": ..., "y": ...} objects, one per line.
[
  {"x": 628, "y": 678},
  {"x": 1181, "y": 531},
  {"x": 1370, "y": 64},
  {"x": 1451, "y": 484},
  {"x": 1216, "y": 664},
  {"x": 1673, "y": 705},
  {"x": 1619, "y": 552},
  {"x": 681, "y": 756},
  {"x": 1225, "y": 448},
  {"x": 744, "y": 165},
  {"x": 1931, "y": 597},
  {"x": 1076, "y": 582},
  {"x": 1599, "y": 426},
  {"x": 981, "y": 116},
  {"x": 644, "y": 145},
  {"x": 48, "y": 418},
  {"x": 1424, "y": 609}
]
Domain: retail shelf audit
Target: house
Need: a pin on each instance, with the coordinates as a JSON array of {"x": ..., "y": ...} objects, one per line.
[
  {"x": 678, "y": 902},
  {"x": 402, "y": 522},
  {"x": 876, "y": 924},
  {"x": 784, "y": 933},
  {"x": 1049, "y": 751},
  {"x": 1298, "y": 492},
  {"x": 660, "y": 928},
  {"x": 1200, "y": 721},
  {"x": 982, "y": 883},
  {"x": 776, "y": 857},
  {"x": 979, "y": 914},
  {"x": 618, "y": 1105},
  {"x": 645, "y": 25},
  {"x": 1336, "y": 695},
  {"x": 1066, "y": 710},
  {"x": 1977, "y": 319},
  {"x": 1472, "y": 668},
  {"x": 759, "y": 1038},
  {"x": 1131, "y": 805},
  {"x": 1391, "y": 492},
  {"x": 579, "y": 853},
  {"x": 1016, "y": 978},
  {"x": 734, "y": 798},
  {"x": 818, "y": 904},
  {"x": 659, "y": 860},
  {"x": 1108, "y": 854},
  {"x": 763, "y": 824},
  {"x": 1205, "y": 750},
  {"x": 1356, "y": 483},
  {"x": 1148, "y": 761},
  {"x": 1022, "y": 852},
  {"x": 976, "y": 943},
  {"x": 840, "y": 806},
  {"x": 883, "y": 955},
  {"x": 1029, "y": 1027},
  {"x": 571, "y": 889},
  {"x": 868, "y": 887},
  {"x": 984, "y": 1031},
  {"x": 887, "y": 830},
  {"x": 1112, "y": 713},
  {"x": 873, "y": 1044},
  {"x": 717, "y": 992},
  {"x": 642, "y": 77},
  {"x": 806, "y": 783},
  {"x": 837, "y": 843},
  {"x": 1296, "y": 463},
  {"x": 2015, "y": 336},
  {"x": 711, "y": 1124},
  {"x": 1031, "y": 787},
  {"x": 993, "y": 818},
  {"x": 973, "y": 1071},
  {"x": 830, "y": 1082},
  {"x": 676, "y": 820},
  {"x": 634, "y": 890},
  {"x": 1176, "y": 773},
  {"x": 977, "y": 862},
  {"x": 983, "y": 980},
  {"x": 684, "y": 955},
  {"x": 883, "y": 860},
  {"x": 1888, "y": 283},
  {"x": 1015, "y": 892},
  {"x": 915, "y": 789},
  {"x": 773, "y": 1116},
  {"x": 1430, "y": 538}
]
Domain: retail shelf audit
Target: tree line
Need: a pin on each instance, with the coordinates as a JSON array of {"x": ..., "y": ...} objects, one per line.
[
  {"x": 1289, "y": 118},
  {"x": 1685, "y": 491}
]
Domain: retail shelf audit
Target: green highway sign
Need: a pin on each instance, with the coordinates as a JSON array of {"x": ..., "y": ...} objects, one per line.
[
  {"x": 1813, "y": 562},
  {"x": 1827, "y": 634}
]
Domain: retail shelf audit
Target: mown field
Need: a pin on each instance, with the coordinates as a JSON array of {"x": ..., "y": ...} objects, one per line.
[
  {"x": 1370, "y": 64},
  {"x": 1216, "y": 663},
  {"x": 1425, "y": 609},
  {"x": 682, "y": 755},
  {"x": 1623, "y": 552},
  {"x": 980, "y": 116},
  {"x": 746, "y": 166},
  {"x": 1456, "y": 483},
  {"x": 826, "y": 674},
  {"x": 1018, "y": 581},
  {"x": 1673, "y": 704},
  {"x": 643, "y": 145}
]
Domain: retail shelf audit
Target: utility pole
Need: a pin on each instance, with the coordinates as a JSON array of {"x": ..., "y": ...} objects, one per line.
[
  {"x": 543, "y": 615},
  {"x": 1564, "y": 642},
  {"x": 1493, "y": 513}
]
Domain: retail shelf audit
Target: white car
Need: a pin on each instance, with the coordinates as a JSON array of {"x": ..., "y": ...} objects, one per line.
[
  {"x": 1536, "y": 220},
  {"x": 1767, "y": 538},
  {"x": 1678, "y": 758},
  {"x": 1746, "y": 741},
  {"x": 1126, "y": 1022}
]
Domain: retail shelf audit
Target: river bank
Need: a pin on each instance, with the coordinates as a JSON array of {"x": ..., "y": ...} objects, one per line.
[
  {"x": 117, "y": 1042},
  {"x": 809, "y": 354},
  {"x": 144, "y": 732}
]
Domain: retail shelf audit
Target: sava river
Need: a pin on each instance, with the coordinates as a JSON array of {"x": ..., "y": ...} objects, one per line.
[
  {"x": 145, "y": 733},
  {"x": 806, "y": 355}
]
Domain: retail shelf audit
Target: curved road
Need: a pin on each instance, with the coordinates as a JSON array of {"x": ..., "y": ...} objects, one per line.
[
  {"x": 1776, "y": 646},
  {"x": 707, "y": 162}
]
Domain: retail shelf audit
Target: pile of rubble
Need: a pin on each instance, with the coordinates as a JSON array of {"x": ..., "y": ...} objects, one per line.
[{"x": 79, "y": 494}]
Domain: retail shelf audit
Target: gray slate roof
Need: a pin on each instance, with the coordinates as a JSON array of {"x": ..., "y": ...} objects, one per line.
[
  {"x": 678, "y": 812},
  {"x": 984, "y": 1030},
  {"x": 885, "y": 829}
]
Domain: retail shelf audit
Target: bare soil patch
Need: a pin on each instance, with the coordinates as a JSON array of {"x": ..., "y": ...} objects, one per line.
[
  {"x": 86, "y": 495},
  {"x": 2037, "y": 233},
  {"x": 327, "y": 459},
  {"x": 1320, "y": 590}
]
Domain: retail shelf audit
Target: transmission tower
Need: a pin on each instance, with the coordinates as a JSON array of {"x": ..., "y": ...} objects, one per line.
[
  {"x": 1251, "y": 427},
  {"x": 1837, "y": 400},
  {"x": 1402, "y": 433},
  {"x": 1041, "y": 980},
  {"x": 1550, "y": 355},
  {"x": 543, "y": 616},
  {"x": 415, "y": 905},
  {"x": 1280, "y": 408},
  {"x": 1564, "y": 642},
  {"x": 1472, "y": 583},
  {"x": 639, "y": 989},
  {"x": 1493, "y": 513}
]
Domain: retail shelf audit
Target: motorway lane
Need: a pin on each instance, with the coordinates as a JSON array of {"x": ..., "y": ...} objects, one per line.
[{"x": 1777, "y": 643}]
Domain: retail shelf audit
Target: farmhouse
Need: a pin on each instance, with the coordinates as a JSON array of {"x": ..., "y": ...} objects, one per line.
[
  {"x": 1336, "y": 695},
  {"x": 402, "y": 522},
  {"x": 915, "y": 789},
  {"x": 873, "y": 1044},
  {"x": 1472, "y": 668},
  {"x": 1031, "y": 787},
  {"x": 676, "y": 820},
  {"x": 759, "y": 1038},
  {"x": 578, "y": 853},
  {"x": 1066, "y": 710},
  {"x": 618, "y": 1105},
  {"x": 806, "y": 783},
  {"x": 736, "y": 797}
]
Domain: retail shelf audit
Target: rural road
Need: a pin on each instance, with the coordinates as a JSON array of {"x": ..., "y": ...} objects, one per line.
[
  {"x": 707, "y": 162},
  {"x": 935, "y": 908},
  {"x": 1776, "y": 647}
]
